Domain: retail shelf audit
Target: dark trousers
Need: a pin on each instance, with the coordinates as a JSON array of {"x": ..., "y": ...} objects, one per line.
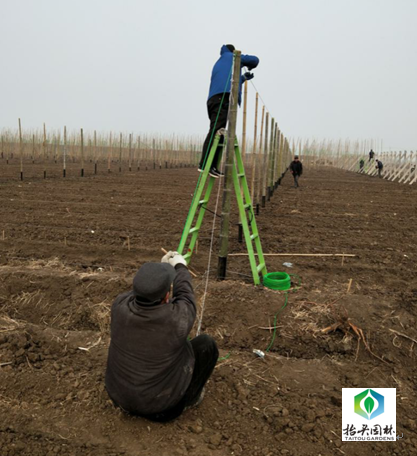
[
  {"x": 379, "y": 172},
  {"x": 217, "y": 112},
  {"x": 206, "y": 355},
  {"x": 296, "y": 176}
]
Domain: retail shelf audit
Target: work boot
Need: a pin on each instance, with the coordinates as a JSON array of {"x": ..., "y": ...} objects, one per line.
[
  {"x": 216, "y": 171},
  {"x": 198, "y": 401}
]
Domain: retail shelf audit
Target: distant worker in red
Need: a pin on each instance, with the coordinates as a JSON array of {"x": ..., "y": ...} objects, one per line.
[
  {"x": 153, "y": 370},
  {"x": 296, "y": 168},
  {"x": 218, "y": 100}
]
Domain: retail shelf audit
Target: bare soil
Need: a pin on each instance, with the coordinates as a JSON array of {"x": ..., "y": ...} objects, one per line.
[{"x": 64, "y": 257}]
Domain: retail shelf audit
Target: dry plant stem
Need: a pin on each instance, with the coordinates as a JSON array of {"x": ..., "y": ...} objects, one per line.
[
  {"x": 344, "y": 324},
  {"x": 349, "y": 285},
  {"x": 403, "y": 335}
]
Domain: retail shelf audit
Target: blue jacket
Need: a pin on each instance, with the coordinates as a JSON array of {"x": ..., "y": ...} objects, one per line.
[{"x": 222, "y": 72}]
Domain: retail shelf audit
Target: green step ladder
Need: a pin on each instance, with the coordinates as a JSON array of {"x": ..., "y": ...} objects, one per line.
[{"x": 246, "y": 213}]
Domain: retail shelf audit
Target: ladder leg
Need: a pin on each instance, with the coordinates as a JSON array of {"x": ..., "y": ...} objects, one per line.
[{"x": 198, "y": 202}]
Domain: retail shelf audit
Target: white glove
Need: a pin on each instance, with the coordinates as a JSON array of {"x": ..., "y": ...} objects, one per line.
[
  {"x": 167, "y": 256},
  {"x": 177, "y": 259}
]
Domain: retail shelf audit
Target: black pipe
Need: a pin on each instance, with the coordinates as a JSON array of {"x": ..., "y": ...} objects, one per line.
[
  {"x": 240, "y": 232},
  {"x": 257, "y": 209},
  {"x": 263, "y": 200},
  {"x": 221, "y": 268}
]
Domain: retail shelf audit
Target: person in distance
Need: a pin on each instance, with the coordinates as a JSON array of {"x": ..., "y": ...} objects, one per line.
[
  {"x": 379, "y": 166},
  {"x": 296, "y": 168},
  {"x": 153, "y": 370},
  {"x": 218, "y": 101}
]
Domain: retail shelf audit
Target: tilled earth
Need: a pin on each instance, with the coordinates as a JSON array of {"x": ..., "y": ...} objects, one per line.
[{"x": 69, "y": 246}]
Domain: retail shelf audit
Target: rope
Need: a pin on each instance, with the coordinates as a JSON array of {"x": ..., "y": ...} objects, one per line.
[
  {"x": 251, "y": 81},
  {"x": 200, "y": 320}
]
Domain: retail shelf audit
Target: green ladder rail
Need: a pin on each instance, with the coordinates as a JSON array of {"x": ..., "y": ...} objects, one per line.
[
  {"x": 199, "y": 204},
  {"x": 246, "y": 213},
  {"x": 247, "y": 218}
]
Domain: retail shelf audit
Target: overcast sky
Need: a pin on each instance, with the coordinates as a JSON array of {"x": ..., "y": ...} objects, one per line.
[{"x": 328, "y": 68}]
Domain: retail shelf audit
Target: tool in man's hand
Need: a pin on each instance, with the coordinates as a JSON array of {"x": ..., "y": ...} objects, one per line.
[{"x": 191, "y": 272}]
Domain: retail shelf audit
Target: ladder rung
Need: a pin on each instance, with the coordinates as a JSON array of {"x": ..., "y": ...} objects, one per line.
[
  {"x": 247, "y": 206},
  {"x": 254, "y": 236},
  {"x": 241, "y": 175},
  {"x": 193, "y": 230},
  {"x": 187, "y": 255},
  {"x": 203, "y": 202},
  {"x": 260, "y": 267}
]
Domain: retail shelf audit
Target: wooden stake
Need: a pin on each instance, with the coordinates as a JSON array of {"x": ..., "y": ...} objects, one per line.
[
  {"x": 44, "y": 151},
  {"x": 349, "y": 285},
  {"x": 130, "y": 151},
  {"x": 3, "y": 236},
  {"x": 33, "y": 148},
  {"x": 21, "y": 150},
  {"x": 82, "y": 153},
  {"x": 230, "y": 148},
  {"x": 265, "y": 161},
  {"x": 128, "y": 243},
  {"x": 120, "y": 154},
  {"x": 95, "y": 152},
  {"x": 109, "y": 156},
  {"x": 64, "y": 163},
  {"x": 253, "y": 161},
  {"x": 259, "y": 172},
  {"x": 245, "y": 103}
]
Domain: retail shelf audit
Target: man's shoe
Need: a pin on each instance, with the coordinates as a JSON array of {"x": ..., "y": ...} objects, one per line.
[
  {"x": 214, "y": 173},
  {"x": 217, "y": 171},
  {"x": 197, "y": 402}
]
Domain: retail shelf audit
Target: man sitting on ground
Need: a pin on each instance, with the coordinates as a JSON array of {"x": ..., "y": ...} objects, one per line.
[{"x": 153, "y": 370}]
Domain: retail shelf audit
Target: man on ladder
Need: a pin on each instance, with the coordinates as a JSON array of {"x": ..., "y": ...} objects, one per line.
[{"x": 218, "y": 100}]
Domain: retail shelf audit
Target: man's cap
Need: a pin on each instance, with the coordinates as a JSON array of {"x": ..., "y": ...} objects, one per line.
[
  {"x": 295, "y": 157},
  {"x": 152, "y": 282},
  {"x": 230, "y": 47}
]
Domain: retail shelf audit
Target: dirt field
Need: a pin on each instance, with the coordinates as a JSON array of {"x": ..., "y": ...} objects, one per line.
[{"x": 64, "y": 258}]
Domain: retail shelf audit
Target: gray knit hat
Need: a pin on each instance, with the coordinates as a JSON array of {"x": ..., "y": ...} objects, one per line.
[{"x": 152, "y": 282}]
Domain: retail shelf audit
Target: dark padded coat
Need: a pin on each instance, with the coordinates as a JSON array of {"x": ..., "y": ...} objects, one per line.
[
  {"x": 222, "y": 72},
  {"x": 151, "y": 362},
  {"x": 296, "y": 168}
]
